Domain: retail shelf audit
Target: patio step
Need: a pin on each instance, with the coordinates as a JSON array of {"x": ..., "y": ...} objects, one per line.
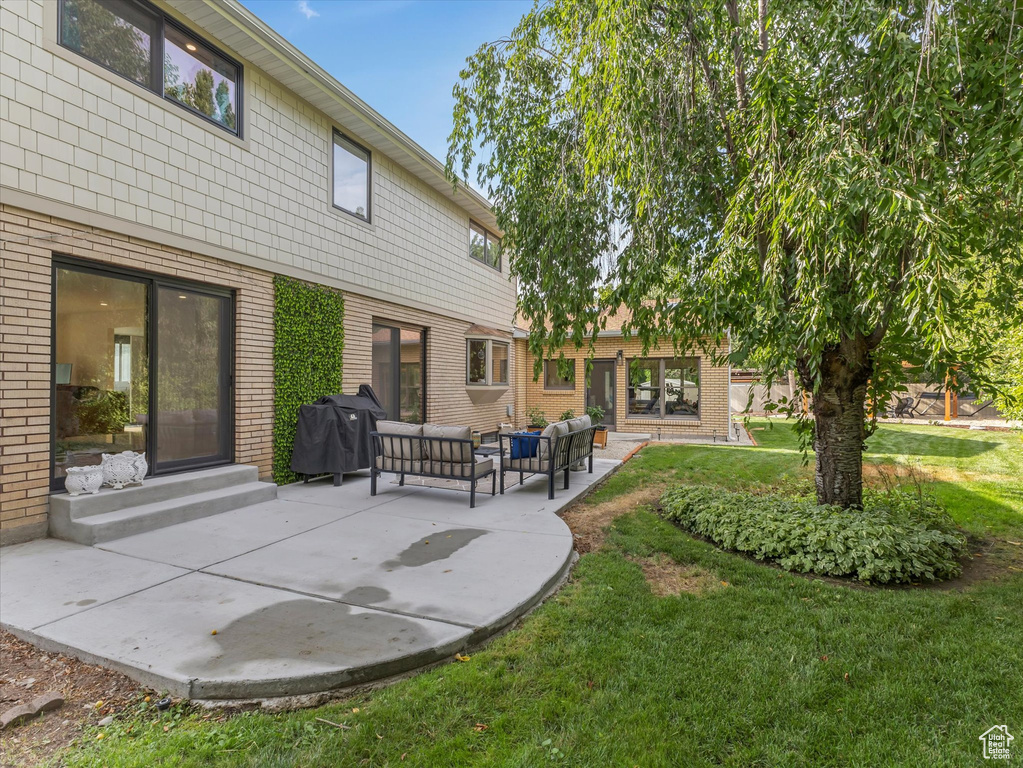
[{"x": 161, "y": 501}]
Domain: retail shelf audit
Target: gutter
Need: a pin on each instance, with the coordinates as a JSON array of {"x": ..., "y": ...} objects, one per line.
[{"x": 244, "y": 19}]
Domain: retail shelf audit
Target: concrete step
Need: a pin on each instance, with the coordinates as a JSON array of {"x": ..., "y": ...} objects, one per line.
[
  {"x": 162, "y": 488},
  {"x": 116, "y": 524}
]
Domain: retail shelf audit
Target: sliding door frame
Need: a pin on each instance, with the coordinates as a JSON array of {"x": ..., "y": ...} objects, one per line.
[{"x": 153, "y": 282}]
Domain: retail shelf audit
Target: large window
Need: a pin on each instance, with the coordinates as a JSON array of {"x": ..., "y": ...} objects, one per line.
[
  {"x": 664, "y": 388},
  {"x": 138, "y": 42},
  {"x": 559, "y": 374},
  {"x": 351, "y": 177},
  {"x": 484, "y": 246},
  {"x": 487, "y": 362}
]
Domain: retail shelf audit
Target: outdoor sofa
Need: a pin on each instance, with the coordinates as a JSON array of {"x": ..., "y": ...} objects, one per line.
[
  {"x": 558, "y": 448},
  {"x": 428, "y": 450}
]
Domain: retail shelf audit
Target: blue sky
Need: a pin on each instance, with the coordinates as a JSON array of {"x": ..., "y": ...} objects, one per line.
[{"x": 402, "y": 57}]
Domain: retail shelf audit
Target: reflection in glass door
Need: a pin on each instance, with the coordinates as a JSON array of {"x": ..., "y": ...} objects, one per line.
[
  {"x": 101, "y": 367},
  {"x": 193, "y": 377},
  {"x": 140, "y": 363},
  {"x": 399, "y": 368},
  {"x": 600, "y": 389}
]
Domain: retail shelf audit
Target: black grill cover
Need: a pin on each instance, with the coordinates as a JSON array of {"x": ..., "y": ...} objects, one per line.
[{"x": 333, "y": 433}]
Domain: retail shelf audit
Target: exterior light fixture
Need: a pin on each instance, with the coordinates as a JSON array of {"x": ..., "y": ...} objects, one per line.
[
  {"x": 620, "y": 357},
  {"x": 190, "y": 47}
]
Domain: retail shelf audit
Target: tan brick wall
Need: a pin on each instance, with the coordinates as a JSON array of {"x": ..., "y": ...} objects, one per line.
[
  {"x": 28, "y": 244},
  {"x": 448, "y": 400},
  {"x": 714, "y": 415}
]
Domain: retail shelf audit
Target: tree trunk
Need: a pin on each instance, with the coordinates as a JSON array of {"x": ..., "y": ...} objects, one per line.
[{"x": 839, "y": 421}]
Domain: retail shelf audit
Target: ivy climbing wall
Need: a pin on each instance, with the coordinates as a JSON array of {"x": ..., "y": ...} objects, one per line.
[{"x": 308, "y": 347}]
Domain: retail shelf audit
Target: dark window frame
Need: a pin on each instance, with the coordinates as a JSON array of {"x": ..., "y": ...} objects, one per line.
[
  {"x": 395, "y": 329},
  {"x": 153, "y": 282},
  {"x": 661, "y": 414},
  {"x": 335, "y": 135},
  {"x": 567, "y": 387},
  {"x": 156, "y": 66},
  {"x": 488, "y": 238}
]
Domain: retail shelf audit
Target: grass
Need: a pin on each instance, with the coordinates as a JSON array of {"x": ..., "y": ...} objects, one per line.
[{"x": 769, "y": 669}]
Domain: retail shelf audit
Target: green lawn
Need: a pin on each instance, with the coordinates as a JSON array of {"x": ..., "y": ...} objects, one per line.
[{"x": 771, "y": 670}]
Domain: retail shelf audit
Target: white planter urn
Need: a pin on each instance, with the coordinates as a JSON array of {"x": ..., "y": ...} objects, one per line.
[
  {"x": 83, "y": 480},
  {"x": 121, "y": 469}
]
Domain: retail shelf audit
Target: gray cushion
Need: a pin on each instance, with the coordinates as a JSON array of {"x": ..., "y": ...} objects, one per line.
[
  {"x": 461, "y": 469},
  {"x": 401, "y": 449},
  {"x": 396, "y": 465},
  {"x": 448, "y": 451},
  {"x": 579, "y": 422},
  {"x": 556, "y": 429},
  {"x": 528, "y": 465}
]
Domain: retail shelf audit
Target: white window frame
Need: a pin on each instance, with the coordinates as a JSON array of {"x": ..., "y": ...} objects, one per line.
[{"x": 489, "y": 362}]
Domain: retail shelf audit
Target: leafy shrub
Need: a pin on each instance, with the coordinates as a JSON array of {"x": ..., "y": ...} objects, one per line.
[
  {"x": 896, "y": 537},
  {"x": 537, "y": 417},
  {"x": 566, "y": 415}
]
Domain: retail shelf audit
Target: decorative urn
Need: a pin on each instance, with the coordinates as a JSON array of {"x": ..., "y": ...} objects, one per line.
[
  {"x": 83, "y": 480},
  {"x": 121, "y": 469}
]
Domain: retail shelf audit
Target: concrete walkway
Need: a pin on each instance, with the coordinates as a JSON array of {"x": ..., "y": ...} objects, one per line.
[{"x": 322, "y": 588}]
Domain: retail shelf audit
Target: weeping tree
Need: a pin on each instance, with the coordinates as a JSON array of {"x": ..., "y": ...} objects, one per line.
[{"x": 827, "y": 182}]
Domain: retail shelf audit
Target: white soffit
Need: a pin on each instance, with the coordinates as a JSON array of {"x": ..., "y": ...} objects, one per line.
[{"x": 243, "y": 32}]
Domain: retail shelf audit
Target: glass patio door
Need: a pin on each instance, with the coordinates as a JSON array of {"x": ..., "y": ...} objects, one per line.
[
  {"x": 101, "y": 368},
  {"x": 139, "y": 363},
  {"x": 193, "y": 379},
  {"x": 600, "y": 389},
  {"x": 399, "y": 371}
]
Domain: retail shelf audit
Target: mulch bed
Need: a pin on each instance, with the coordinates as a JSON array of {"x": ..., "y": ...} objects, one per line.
[{"x": 27, "y": 672}]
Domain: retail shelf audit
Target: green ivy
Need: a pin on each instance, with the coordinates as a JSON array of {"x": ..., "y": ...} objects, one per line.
[{"x": 308, "y": 346}]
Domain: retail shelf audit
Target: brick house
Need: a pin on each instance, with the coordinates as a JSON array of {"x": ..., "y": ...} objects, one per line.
[
  {"x": 161, "y": 161},
  {"x": 662, "y": 392}
]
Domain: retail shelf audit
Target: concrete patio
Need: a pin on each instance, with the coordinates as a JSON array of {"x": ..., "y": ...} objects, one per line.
[{"x": 321, "y": 588}]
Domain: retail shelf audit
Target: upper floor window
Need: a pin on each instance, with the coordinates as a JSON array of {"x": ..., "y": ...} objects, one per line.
[
  {"x": 351, "y": 176},
  {"x": 486, "y": 362},
  {"x": 138, "y": 42},
  {"x": 559, "y": 374},
  {"x": 484, "y": 246}
]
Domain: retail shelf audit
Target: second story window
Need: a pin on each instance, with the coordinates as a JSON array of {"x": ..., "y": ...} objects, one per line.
[
  {"x": 351, "y": 176},
  {"x": 484, "y": 246},
  {"x": 138, "y": 42}
]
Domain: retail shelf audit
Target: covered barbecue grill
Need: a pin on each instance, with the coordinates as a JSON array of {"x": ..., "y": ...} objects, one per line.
[{"x": 332, "y": 436}]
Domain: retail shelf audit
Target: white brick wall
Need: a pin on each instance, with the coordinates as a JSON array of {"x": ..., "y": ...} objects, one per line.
[{"x": 98, "y": 142}]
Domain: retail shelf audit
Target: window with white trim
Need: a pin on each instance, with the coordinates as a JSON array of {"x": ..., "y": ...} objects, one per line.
[{"x": 487, "y": 362}]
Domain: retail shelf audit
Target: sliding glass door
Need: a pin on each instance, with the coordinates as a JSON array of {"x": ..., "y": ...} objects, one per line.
[
  {"x": 101, "y": 368},
  {"x": 399, "y": 371},
  {"x": 139, "y": 363},
  {"x": 193, "y": 387}
]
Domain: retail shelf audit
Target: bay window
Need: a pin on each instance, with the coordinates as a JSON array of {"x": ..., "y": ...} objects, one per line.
[{"x": 487, "y": 362}]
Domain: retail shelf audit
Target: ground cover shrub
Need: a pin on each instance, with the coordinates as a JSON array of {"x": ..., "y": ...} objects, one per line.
[{"x": 897, "y": 537}]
